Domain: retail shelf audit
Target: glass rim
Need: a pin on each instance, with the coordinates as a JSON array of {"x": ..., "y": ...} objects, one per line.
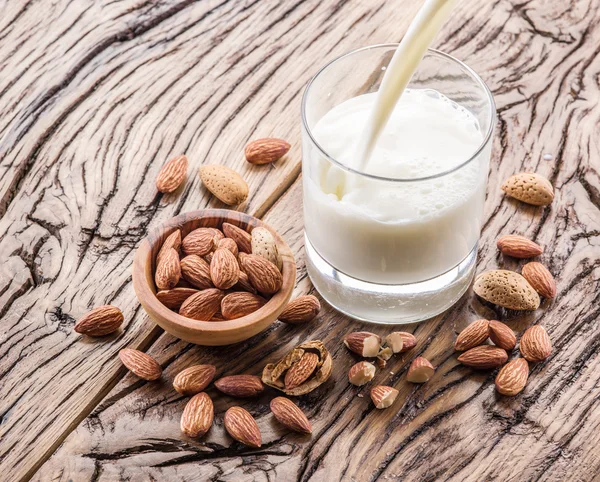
[{"x": 434, "y": 52}]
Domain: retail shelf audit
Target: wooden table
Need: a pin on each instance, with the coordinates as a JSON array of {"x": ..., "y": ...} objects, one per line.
[{"x": 96, "y": 95}]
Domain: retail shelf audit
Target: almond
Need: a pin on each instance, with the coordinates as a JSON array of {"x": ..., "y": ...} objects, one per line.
[
  {"x": 241, "y": 386},
  {"x": 230, "y": 244},
  {"x": 194, "y": 379},
  {"x": 408, "y": 341},
  {"x": 507, "y": 289},
  {"x": 168, "y": 270},
  {"x": 474, "y": 334},
  {"x": 196, "y": 272},
  {"x": 420, "y": 370},
  {"x": 484, "y": 357},
  {"x": 385, "y": 353},
  {"x": 226, "y": 184},
  {"x": 241, "y": 237},
  {"x": 101, "y": 321},
  {"x": 301, "y": 371},
  {"x": 502, "y": 336},
  {"x": 172, "y": 174},
  {"x": 140, "y": 363},
  {"x": 395, "y": 341},
  {"x": 363, "y": 343},
  {"x": 535, "y": 344},
  {"x": 540, "y": 279},
  {"x": 242, "y": 427},
  {"x": 383, "y": 396},
  {"x": 224, "y": 269},
  {"x": 512, "y": 377},
  {"x": 200, "y": 241},
  {"x": 530, "y": 188},
  {"x": 263, "y": 274},
  {"x": 361, "y": 373},
  {"x": 218, "y": 235},
  {"x": 203, "y": 305},
  {"x": 174, "y": 298},
  {"x": 197, "y": 416},
  {"x": 239, "y": 304},
  {"x": 172, "y": 241},
  {"x": 264, "y": 151},
  {"x": 263, "y": 244},
  {"x": 244, "y": 284},
  {"x": 301, "y": 310},
  {"x": 289, "y": 415},
  {"x": 518, "y": 246}
]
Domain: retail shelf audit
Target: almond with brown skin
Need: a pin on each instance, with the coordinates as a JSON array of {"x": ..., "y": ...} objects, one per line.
[
  {"x": 168, "y": 270},
  {"x": 198, "y": 415},
  {"x": 101, "y": 321},
  {"x": 242, "y": 427},
  {"x": 395, "y": 341},
  {"x": 194, "y": 379},
  {"x": 502, "y": 336},
  {"x": 240, "y": 303},
  {"x": 241, "y": 386},
  {"x": 540, "y": 279},
  {"x": 289, "y": 415},
  {"x": 244, "y": 284},
  {"x": 361, "y": 373},
  {"x": 518, "y": 246},
  {"x": 241, "y": 237},
  {"x": 203, "y": 305},
  {"x": 363, "y": 343},
  {"x": 224, "y": 269},
  {"x": 141, "y": 364},
  {"x": 473, "y": 335},
  {"x": 172, "y": 241},
  {"x": 174, "y": 298},
  {"x": 301, "y": 371},
  {"x": 200, "y": 241},
  {"x": 196, "y": 272},
  {"x": 172, "y": 174},
  {"x": 383, "y": 396},
  {"x": 301, "y": 310},
  {"x": 530, "y": 188},
  {"x": 264, "y": 151},
  {"x": 484, "y": 357},
  {"x": 226, "y": 184},
  {"x": 230, "y": 244},
  {"x": 420, "y": 370},
  {"x": 512, "y": 377},
  {"x": 408, "y": 341},
  {"x": 218, "y": 235},
  {"x": 507, "y": 289},
  {"x": 535, "y": 344},
  {"x": 263, "y": 274}
]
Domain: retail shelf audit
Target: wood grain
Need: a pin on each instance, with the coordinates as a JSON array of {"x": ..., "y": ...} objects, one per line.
[{"x": 119, "y": 87}]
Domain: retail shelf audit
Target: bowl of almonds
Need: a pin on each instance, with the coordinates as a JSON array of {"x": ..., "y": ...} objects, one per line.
[{"x": 214, "y": 277}]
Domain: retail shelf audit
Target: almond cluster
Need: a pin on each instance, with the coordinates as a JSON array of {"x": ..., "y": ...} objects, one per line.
[
  {"x": 535, "y": 346},
  {"x": 198, "y": 415},
  {"x": 223, "y": 274},
  {"x": 370, "y": 345}
]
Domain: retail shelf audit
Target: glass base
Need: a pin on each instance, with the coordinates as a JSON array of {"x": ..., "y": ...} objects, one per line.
[{"x": 389, "y": 304}]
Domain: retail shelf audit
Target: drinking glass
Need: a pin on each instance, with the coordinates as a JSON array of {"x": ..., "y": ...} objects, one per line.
[{"x": 413, "y": 268}]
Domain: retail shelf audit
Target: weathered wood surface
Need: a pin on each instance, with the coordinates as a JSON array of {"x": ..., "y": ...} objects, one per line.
[{"x": 96, "y": 95}]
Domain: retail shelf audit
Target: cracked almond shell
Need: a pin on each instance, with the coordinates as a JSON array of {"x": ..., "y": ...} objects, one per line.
[{"x": 274, "y": 373}]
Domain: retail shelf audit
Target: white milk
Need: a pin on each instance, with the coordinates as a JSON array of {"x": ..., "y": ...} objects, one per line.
[
  {"x": 397, "y": 232},
  {"x": 421, "y": 32}
]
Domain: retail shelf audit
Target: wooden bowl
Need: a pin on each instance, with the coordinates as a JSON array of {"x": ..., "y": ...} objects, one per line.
[{"x": 213, "y": 333}]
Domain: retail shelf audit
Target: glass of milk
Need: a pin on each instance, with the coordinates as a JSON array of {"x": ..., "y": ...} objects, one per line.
[{"x": 395, "y": 240}]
